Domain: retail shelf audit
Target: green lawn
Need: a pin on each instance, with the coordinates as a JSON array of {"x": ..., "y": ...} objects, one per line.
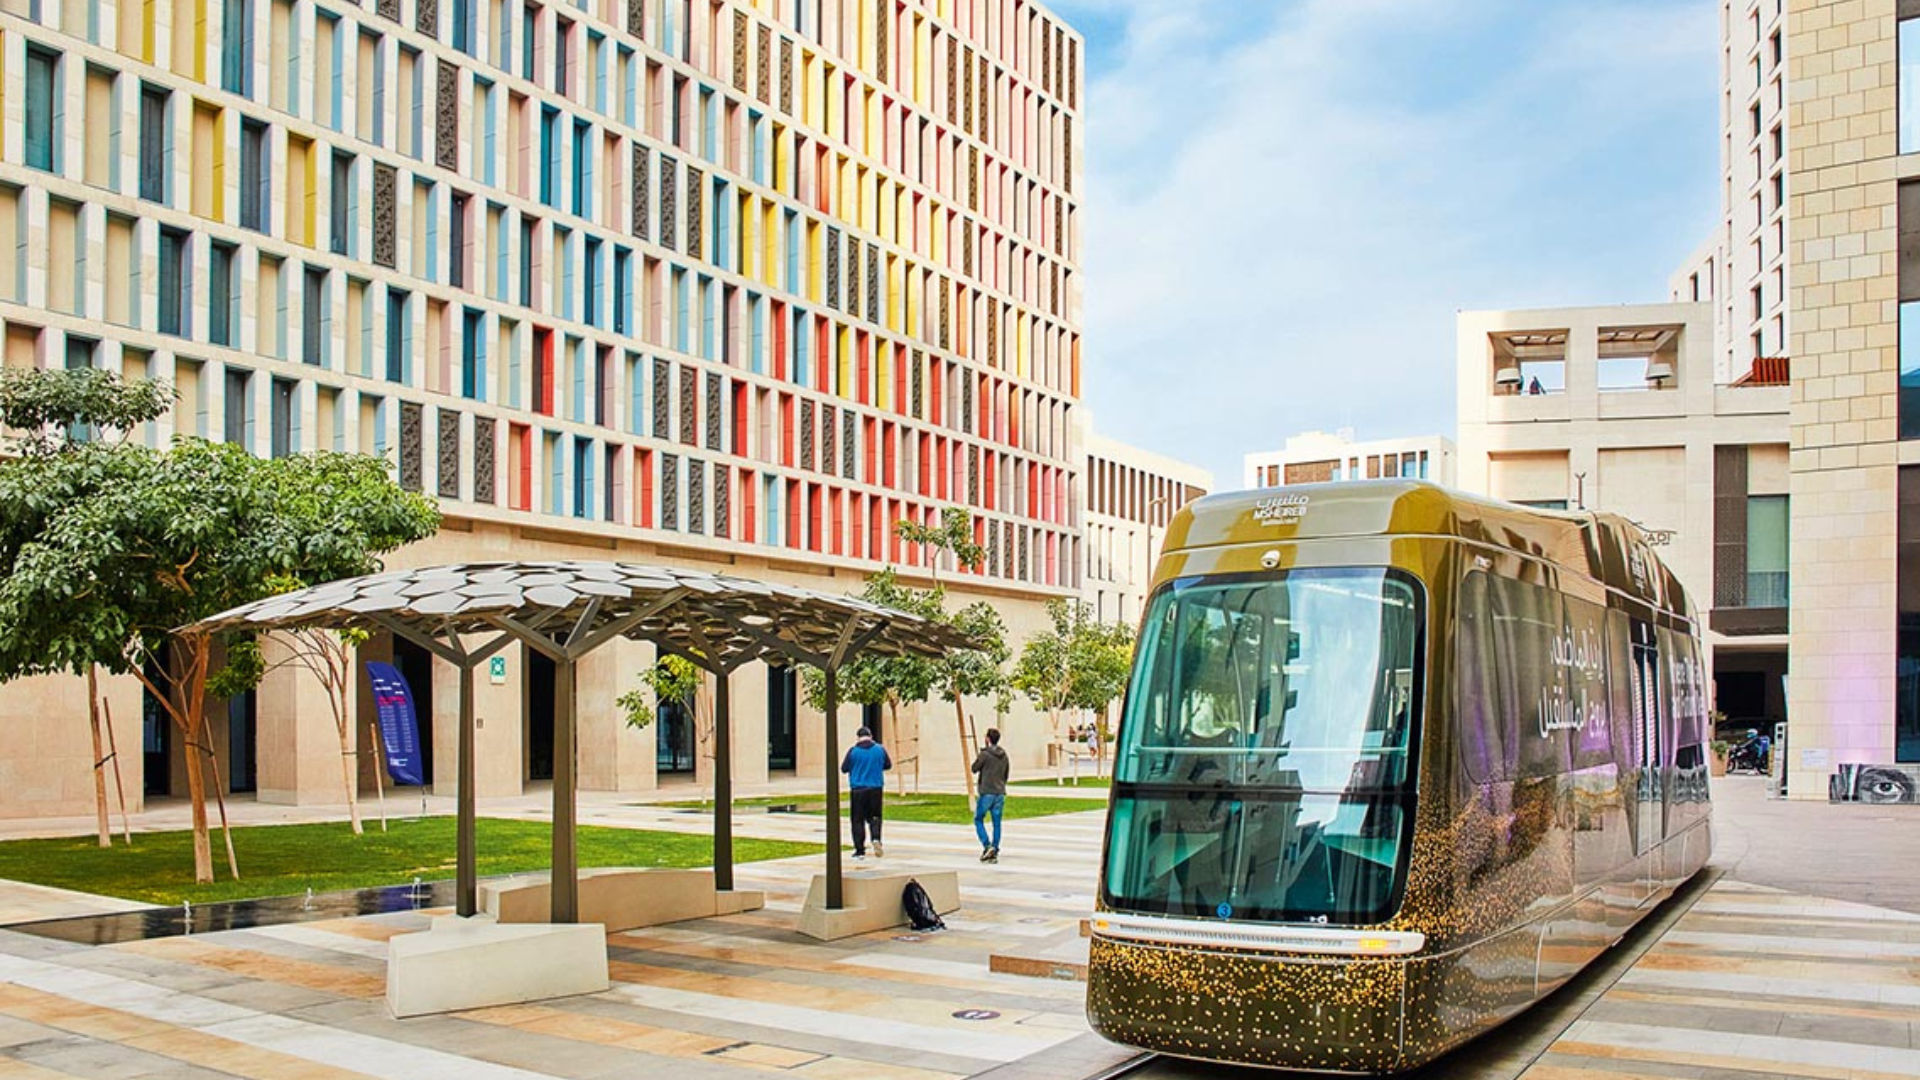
[
  {"x": 280, "y": 860},
  {"x": 1085, "y": 782},
  {"x": 940, "y": 809}
]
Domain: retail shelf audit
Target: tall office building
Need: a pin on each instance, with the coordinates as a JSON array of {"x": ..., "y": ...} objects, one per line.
[
  {"x": 1742, "y": 267},
  {"x": 723, "y": 283}
]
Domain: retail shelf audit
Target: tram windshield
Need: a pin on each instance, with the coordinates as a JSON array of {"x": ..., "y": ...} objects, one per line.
[{"x": 1263, "y": 769}]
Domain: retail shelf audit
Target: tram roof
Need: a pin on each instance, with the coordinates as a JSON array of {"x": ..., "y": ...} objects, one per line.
[{"x": 1605, "y": 547}]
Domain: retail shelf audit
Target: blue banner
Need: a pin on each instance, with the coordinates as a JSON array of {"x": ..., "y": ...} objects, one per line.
[{"x": 399, "y": 729}]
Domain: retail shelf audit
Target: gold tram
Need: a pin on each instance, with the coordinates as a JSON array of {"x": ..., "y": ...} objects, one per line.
[{"x": 1395, "y": 762}]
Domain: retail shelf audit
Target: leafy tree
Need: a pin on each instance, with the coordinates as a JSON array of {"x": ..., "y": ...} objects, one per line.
[
  {"x": 671, "y": 679},
  {"x": 112, "y": 552},
  {"x": 1081, "y": 663},
  {"x": 328, "y": 656},
  {"x": 977, "y": 672},
  {"x": 54, "y": 412},
  {"x": 891, "y": 681}
]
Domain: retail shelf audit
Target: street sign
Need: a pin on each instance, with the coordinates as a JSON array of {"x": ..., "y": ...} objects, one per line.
[{"x": 497, "y": 670}]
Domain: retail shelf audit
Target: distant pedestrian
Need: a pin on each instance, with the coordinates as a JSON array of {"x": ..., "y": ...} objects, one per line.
[
  {"x": 866, "y": 766},
  {"x": 992, "y": 765},
  {"x": 1534, "y": 387}
]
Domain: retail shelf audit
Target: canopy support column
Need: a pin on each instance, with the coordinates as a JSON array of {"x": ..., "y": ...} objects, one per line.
[
  {"x": 565, "y": 888},
  {"x": 722, "y": 782},
  {"x": 834, "y": 900},
  {"x": 466, "y": 849}
]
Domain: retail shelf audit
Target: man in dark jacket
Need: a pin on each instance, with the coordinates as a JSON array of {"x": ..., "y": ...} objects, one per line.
[
  {"x": 992, "y": 765},
  {"x": 866, "y": 766}
]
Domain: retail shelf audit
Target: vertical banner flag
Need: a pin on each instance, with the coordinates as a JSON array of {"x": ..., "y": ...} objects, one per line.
[{"x": 399, "y": 730}]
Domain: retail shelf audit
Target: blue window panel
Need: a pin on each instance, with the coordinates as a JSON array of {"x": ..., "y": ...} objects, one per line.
[
  {"x": 636, "y": 394},
  {"x": 670, "y": 28},
  {"x": 379, "y": 96},
  {"x": 770, "y": 511},
  {"x": 336, "y": 89},
  {"x": 582, "y": 477},
  {"x": 556, "y": 476},
  {"x": 42, "y": 109},
  {"x": 527, "y": 35},
  {"x": 578, "y": 362},
  {"x": 723, "y": 250},
  {"x": 463, "y": 26},
  {"x": 792, "y": 283},
  {"x": 582, "y": 167},
  {"x": 759, "y": 309},
  {"x": 236, "y": 46},
  {"x": 630, "y": 93},
  {"x": 503, "y": 35},
  {"x": 1909, "y": 401},
  {"x": 756, "y": 138},
  {"x": 802, "y": 348},
  {"x": 622, "y": 289},
  {"x": 514, "y": 370},
  {"x": 566, "y": 273},
  {"x": 549, "y": 154},
  {"x": 682, "y": 316},
  {"x": 473, "y": 356},
  {"x": 430, "y": 268},
  {"x": 592, "y": 300},
  {"x": 709, "y": 319}
]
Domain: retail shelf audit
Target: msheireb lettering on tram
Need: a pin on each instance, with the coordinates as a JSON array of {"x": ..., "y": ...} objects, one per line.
[{"x": 1395, "y": 763}]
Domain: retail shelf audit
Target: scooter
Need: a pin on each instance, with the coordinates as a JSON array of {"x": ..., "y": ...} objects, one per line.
[{"x": 1745, "y": 758}]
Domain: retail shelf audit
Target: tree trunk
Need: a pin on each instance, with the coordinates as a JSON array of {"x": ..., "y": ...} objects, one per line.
[
  {"x": 197, "y": 797},
  {"x": 99, "y": 760},
  {"x": 966, "y": 745},
  {"x": 348, "y": 757}
]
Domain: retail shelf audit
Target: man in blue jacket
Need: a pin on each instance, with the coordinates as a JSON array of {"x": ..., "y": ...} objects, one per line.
[{"x": 866, "y": 766}]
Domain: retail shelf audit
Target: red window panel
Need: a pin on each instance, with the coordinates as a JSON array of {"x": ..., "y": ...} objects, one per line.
[
  {"x": 520, "y": 454},
  {"x": 1053, "y": 559},
  {"x": 937, "y": 376},
  {"x": 778, "y": 314},
  {"x": 749, "y": 506},
  {"x": 1016, "y": 400},
  {"x": 543, "y": 370},
  {"x": 888, "y": 454},
  {"x": 893, "y": 538},
  {"x": 741, "y": 412},
  {"x": 926, "y": 464},
  {"x": 980, "y": 538},
  {"x": 794, "y": 506},
  {"x": 858, "y": 533},
  {"x": 786, "y": 429},
  {"x": 983, "y": 425},
  {"x": 643, "y": 488},
  {"x": 1033, "y": 489},
  {"x": 989, "y": 479},
  {"x": 838, "y": 535},
  {"x": 823, "y": 181},
  {"x": 876, "y": 509},
  {"x": 814, "y": 498},
  {"x": 901, "y": 403},
  {"x": 868, "y": 428}
]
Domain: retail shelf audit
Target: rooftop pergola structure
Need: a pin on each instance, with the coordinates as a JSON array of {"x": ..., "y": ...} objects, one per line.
[{"x": 466, "y": 613}]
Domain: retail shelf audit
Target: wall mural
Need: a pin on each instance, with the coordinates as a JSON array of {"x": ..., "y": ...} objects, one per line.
[{"x": 1875, "y": 784}]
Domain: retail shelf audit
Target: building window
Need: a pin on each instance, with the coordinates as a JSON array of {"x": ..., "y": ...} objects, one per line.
[
  {"x": 220, "y": 294},
  {"x": 473, "y": 372},
  {"x": 397, "y": 327},
  {"x": 1767, "y": 551},
  {"x": 280, "y": 420},
  {"x": 236, "y": 47},
  {"x": 42, "y": 109},
  {"x": 254, "y": 175},
  {"x": 173, "y": 286},
  {"x": 340, "y": 209},
  {"x": 153, "y": 143},
  {"x": 313, "y": 317},
  {"x": 1906, "y": 706},
  {"x": 1909, "y": 76},
  {"x": 237, "y": 422},
  {"x": 1908, "y": 216}
]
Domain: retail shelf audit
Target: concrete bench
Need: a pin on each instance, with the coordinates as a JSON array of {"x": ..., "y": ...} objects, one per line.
[
  {"x": 475, "y": 963},
  {"x": 619, "y": 898},
  {"x": 872, "y": 901}
]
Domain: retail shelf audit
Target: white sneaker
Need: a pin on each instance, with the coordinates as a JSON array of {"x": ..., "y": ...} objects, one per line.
[
  {"x": 878, "y": 851},
  {"x": 859, "y": 856}
]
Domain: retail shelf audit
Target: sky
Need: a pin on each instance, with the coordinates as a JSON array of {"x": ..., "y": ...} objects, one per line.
[{"x": 1287, "y": 201}]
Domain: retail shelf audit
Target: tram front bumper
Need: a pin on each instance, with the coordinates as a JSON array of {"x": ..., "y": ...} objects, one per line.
[{"x": 1331, "y": 1015}]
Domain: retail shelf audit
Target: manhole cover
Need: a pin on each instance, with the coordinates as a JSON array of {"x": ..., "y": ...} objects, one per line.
[{"x": 976, "y": 1014}]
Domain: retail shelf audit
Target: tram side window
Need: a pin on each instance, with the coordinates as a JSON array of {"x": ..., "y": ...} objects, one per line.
[
  {"x": 1517, "y": 698},
  {"x": 1685, "y": 690},
  {"x": 1591, "y": 686}
]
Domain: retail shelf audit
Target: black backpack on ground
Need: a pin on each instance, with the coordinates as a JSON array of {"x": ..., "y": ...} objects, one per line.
[{"x": 919, "y": 907}]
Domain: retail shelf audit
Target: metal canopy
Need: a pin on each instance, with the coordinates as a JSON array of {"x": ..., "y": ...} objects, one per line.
[{"x": 466, "y": 612}]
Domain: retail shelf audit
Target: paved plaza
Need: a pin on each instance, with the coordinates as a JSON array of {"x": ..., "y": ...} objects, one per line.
[{"x": 1752, "y": 980}]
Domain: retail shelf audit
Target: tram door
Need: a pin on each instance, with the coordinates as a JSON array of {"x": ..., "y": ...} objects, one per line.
[{"x": 1649, "y": 789}]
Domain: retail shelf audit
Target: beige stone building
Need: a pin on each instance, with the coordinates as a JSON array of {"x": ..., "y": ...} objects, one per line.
[
  {"x": 736, "y": 284},
  {"x": 1616, "y": 408},
  {"x": 1316, "y": 457},
  {"x": 1131, "y": 496}
]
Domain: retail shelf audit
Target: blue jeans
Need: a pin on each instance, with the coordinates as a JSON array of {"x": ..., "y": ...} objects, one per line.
[{"x": 984, "y": 805}]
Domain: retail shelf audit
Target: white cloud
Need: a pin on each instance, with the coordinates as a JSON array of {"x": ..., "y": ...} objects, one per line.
[{"x": 1287, "y": 203}]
